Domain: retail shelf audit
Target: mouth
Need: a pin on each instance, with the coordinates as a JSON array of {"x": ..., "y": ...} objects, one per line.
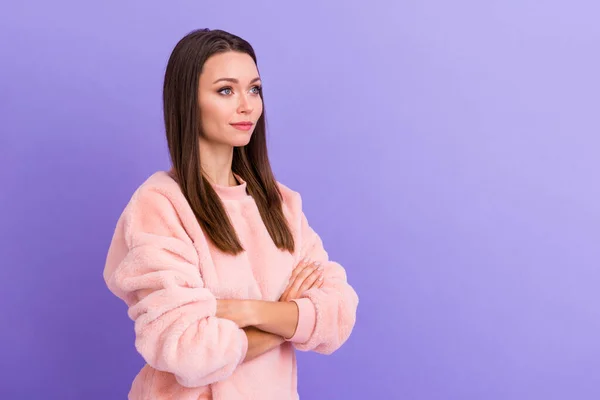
[{"x": 243, "y": 126}]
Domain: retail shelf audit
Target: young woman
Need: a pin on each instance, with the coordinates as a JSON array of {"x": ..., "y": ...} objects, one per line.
[{"x": 215, "y": 260}]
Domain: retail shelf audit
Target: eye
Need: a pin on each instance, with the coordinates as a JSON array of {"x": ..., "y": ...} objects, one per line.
[
  {"x": 256, "y": 89},
  {"x": 225, "y": 91}
]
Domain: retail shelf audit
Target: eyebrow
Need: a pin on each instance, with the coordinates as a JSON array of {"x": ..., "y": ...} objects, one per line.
[{"x": 233, "y": 80}]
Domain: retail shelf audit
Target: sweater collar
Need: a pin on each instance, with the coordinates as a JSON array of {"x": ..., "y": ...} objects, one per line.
[{"x": 237, "y": 192}]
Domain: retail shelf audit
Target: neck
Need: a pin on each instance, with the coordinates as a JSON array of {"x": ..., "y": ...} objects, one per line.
[{"x": 216, "y": 161}]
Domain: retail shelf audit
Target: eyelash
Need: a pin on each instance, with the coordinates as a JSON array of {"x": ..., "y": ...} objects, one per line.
[{"x": 257, "y": 87}]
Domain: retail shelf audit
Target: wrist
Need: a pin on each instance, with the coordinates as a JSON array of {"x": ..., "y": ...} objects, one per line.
[
  {"x": 277, "y": 317},
  {"x": 257, "y": 312}
]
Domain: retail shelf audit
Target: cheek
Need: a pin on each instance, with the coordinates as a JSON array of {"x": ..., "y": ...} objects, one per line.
[
  {"x": 258, "y": 108},
  {"x": 215, "y": 115}
]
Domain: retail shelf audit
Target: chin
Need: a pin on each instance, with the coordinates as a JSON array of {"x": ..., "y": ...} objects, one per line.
[{"x": 241, "y": 140}]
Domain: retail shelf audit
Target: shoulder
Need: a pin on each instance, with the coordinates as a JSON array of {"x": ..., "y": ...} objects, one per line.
[
  {"x": 158, "y": 208},
  {"x": 158, "y": 197},
  {"x": 289, "y": 196},
  {"x": 291, "y": 200},
  {"x": 158, "y": 187}
]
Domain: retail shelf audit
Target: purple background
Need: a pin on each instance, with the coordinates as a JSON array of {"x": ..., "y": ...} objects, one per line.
[{"x": 447, "y": 153}]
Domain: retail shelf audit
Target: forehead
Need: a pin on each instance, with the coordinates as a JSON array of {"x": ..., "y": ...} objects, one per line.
[{"x": 230, "y": 64}]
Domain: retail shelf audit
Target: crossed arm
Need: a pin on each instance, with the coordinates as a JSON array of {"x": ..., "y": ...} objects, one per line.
[
  {"x": 181, "y": 328},
  {"x": 268, "y": 324}
]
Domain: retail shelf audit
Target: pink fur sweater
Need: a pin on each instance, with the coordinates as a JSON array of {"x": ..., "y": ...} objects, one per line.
[{"x": 169, "y": 276}]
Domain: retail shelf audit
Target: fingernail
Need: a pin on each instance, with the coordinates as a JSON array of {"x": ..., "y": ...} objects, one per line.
[
  {"x": 320, "y": 279},
  {"x": 305, "y": 260},
  {"x": 317, "y": 263}
]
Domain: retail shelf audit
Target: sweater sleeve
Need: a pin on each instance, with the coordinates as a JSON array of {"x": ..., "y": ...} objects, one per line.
[
  {"x": 158, "y": 277},
  {"x": 332, "y": 307}
]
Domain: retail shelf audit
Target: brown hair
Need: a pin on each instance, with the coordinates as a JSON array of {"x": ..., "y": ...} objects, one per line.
[{"x": 183, "y": 128}]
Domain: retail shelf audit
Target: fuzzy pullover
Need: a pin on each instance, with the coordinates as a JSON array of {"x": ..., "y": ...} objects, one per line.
[{"x": 170, "y": 275}]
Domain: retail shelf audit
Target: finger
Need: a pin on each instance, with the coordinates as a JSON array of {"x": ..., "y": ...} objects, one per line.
[
  {"x": 303, "y": 263},
  {"x": 302, "y": 277},
  {"x": 310, "y": 280},
  {"x": 319, "y": 282},
  {"x": 285, "y": 294},
  {"x": 292, "y": 280},
  {"x": 300, "y": 267},
  {"x": 309, "y": 269},
  {"x": 305, "y": 268},
  {"x": 296, "y": 271}
]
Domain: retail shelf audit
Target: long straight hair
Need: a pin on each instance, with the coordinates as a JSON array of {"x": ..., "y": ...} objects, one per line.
[{"x": 183, "y": 129}]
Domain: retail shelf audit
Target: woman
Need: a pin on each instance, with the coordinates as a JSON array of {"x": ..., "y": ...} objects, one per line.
[{"x": 220, "y": 270}]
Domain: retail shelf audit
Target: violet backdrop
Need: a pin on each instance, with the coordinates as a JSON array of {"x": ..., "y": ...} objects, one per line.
[{"x": 447, "y": 154}]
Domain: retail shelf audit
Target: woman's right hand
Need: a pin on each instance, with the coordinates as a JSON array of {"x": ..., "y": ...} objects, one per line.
[{"x": 305, "y": 276}]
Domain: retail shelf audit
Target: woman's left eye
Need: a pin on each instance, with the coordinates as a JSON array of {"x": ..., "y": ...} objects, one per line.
[{"x": 227, "y": 90}]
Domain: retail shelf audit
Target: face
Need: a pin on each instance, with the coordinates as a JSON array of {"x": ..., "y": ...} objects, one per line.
[{"x": 229, "y": 98}]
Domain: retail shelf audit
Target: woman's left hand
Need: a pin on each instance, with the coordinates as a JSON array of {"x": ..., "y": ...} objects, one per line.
[
  {"x": 242, "y": 312},
  {"x": 305, "y": 276}
]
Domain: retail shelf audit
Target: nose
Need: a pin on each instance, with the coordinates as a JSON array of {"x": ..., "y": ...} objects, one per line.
[{"x": 244, "y": 107}]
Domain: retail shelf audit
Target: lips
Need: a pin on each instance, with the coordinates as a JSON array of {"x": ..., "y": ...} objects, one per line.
[{"x": 243, "y": 126}]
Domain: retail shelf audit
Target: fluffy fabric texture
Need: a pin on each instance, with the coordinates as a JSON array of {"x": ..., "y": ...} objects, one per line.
[{"x": 169, "y": 275}]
